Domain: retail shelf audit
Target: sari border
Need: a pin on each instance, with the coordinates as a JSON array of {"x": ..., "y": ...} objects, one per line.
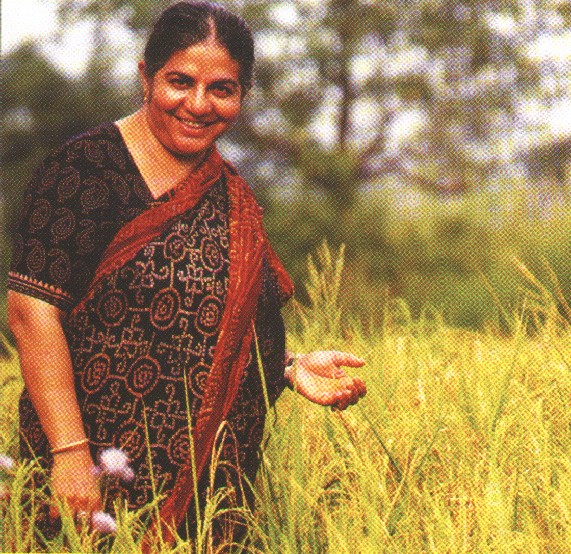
[
  {"x": 247, "y": 248},
  {"x": 36, "y": 288}
]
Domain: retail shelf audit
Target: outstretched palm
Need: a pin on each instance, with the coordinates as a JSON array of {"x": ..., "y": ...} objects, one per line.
[{"x": 319, "y": 377}]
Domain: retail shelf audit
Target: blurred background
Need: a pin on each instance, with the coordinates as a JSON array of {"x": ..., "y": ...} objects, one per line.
[{"x": 431, "y": 137}]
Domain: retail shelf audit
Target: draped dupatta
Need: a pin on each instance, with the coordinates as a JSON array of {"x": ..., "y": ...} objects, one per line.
[{"x": 248, "y": 248}]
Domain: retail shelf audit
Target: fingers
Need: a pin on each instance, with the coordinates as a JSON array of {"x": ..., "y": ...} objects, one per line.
[
  {"x": 347, "y": 359},
  {"x": 78, "y": 506},
  {"x": 337, "y": 392},
  {"x": 65, "y": 505},
  {"x": 360, "y": 385},
  {"x": 350, "y": 395},
  {"x": 327, "y": 363},
  {"x": 321, "y": 363},
  {"x": 320, "y": 390}
]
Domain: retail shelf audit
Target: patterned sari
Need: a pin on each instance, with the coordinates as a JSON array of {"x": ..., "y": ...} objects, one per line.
[{"x": 162, "y": 344}]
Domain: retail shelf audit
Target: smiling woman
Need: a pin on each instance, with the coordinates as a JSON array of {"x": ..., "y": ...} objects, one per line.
[
  {"x": 189, "y": 102},
  {"x": 143, "y": 288},
  {"x": 194, "y": 98}
]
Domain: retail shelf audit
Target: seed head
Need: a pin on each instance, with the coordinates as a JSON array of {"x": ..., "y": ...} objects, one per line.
[
  {"x": 6, "y": 463},
  {"x": 103, "y": 522},
  {"x": 114, "y": 462}
]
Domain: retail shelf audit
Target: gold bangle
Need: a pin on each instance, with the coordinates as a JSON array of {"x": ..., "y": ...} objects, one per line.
[{"x": 69, "y": 446}]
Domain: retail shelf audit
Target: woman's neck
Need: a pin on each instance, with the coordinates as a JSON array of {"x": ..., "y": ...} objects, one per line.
[{"x": 160, "y": 169}]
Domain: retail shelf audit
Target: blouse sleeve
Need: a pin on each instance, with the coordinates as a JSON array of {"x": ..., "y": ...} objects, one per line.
[{"x": 55, "y": 237}]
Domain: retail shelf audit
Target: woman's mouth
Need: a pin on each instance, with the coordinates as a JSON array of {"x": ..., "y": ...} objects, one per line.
[{"x": 191, "y": 124}]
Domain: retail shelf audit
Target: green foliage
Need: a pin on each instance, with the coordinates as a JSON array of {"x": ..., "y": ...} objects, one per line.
[
  {"x": 461, "y": 444},
  {"x": 456, "y": 255},
  {"x": 332, "y": 171},
  {"x": 308, "y": 77}
]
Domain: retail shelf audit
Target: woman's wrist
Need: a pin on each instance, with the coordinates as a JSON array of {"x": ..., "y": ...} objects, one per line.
[
  {"x": 77, "y": 456},
  {"x": 289, "y": 372},
  {"x": 80, "y": 444},
  {"x": 289, "y": 357}
]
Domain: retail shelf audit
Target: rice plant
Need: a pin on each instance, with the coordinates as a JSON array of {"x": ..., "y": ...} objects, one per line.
[{"x": 462, "y": 444}]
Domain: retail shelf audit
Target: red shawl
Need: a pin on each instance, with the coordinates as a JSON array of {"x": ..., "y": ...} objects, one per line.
[{"x": 248, "y": 246}]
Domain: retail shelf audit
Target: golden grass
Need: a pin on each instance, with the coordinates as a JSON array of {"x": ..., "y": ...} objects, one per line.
[{"x": 462, "y": 444}]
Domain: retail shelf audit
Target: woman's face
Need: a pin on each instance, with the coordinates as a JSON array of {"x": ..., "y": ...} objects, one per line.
[{"x": 194, "y": 98}]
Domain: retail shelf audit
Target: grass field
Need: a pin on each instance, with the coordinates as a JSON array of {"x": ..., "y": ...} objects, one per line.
[{"x": 462, "y": 444}]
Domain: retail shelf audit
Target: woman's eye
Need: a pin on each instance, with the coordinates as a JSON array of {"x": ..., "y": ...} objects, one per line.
[
  {"x": 179, "y": 83},
  {"x": 223, "y": 91}
]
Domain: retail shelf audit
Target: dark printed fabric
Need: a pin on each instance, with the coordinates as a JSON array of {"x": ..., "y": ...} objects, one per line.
[
  {"x": 79, "y": 198},
  {"x": 151, "y": 324}
]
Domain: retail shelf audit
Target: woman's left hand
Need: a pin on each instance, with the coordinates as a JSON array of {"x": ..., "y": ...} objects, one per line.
[{"x": 319, "y": 377}]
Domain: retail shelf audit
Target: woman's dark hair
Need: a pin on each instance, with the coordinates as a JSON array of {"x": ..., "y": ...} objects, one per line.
[{"x": 188, "y": 23}]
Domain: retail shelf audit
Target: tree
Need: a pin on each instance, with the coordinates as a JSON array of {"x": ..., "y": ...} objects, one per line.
[
  {"x": 334, "y": 82},
  {"x": 333, "y": 76}
]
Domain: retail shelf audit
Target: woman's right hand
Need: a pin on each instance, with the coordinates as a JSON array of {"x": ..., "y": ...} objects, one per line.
[
  {"x": 75, "y": 483},
  {"x": 47, "y": 370}
]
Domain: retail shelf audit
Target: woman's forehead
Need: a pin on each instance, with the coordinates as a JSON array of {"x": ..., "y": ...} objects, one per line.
[{"x": 207, "y": 58}]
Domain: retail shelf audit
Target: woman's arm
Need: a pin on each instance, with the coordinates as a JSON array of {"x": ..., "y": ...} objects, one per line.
[{"x": 47, "y": 372}]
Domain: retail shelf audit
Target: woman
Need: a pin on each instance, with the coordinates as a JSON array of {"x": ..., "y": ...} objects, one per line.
[{"x": 143, "y": 287}]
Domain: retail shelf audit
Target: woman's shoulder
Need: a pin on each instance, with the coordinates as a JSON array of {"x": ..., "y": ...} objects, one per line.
[
  {"x": 90, "y": 172},
  {"x": 98, "y": 147}
]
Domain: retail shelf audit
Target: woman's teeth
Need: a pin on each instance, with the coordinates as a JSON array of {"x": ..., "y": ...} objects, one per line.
[{"x": 192, "y": 123}]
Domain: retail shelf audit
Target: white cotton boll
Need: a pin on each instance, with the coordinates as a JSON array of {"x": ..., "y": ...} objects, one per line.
[
  {"x": 127, "y": 474},
  {"x": 103, "y": 522},
  {"x": 6, "y": 462},
  {"x": 113, "y": 462}
]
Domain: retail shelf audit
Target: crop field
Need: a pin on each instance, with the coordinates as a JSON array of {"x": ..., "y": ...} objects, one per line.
[{"x": 462, "y": 443}]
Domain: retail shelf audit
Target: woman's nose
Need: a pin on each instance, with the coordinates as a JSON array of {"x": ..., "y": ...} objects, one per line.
[{"x": 197, "y": 102}]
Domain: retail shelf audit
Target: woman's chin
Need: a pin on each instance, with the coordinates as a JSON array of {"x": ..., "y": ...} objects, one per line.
[
  {"x": 190, "y": 149},
  {"x": 183, "y": 142}
]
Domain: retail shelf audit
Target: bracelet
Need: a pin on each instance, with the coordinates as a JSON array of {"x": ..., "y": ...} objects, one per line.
[
  {"x": 288, "y": 373},
  {"x": 69, "y": 446}
]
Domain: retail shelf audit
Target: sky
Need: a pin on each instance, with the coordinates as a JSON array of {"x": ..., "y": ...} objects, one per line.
[
  {"x": 26, "y": 19},
  {"x": 37, "y": 20}
]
